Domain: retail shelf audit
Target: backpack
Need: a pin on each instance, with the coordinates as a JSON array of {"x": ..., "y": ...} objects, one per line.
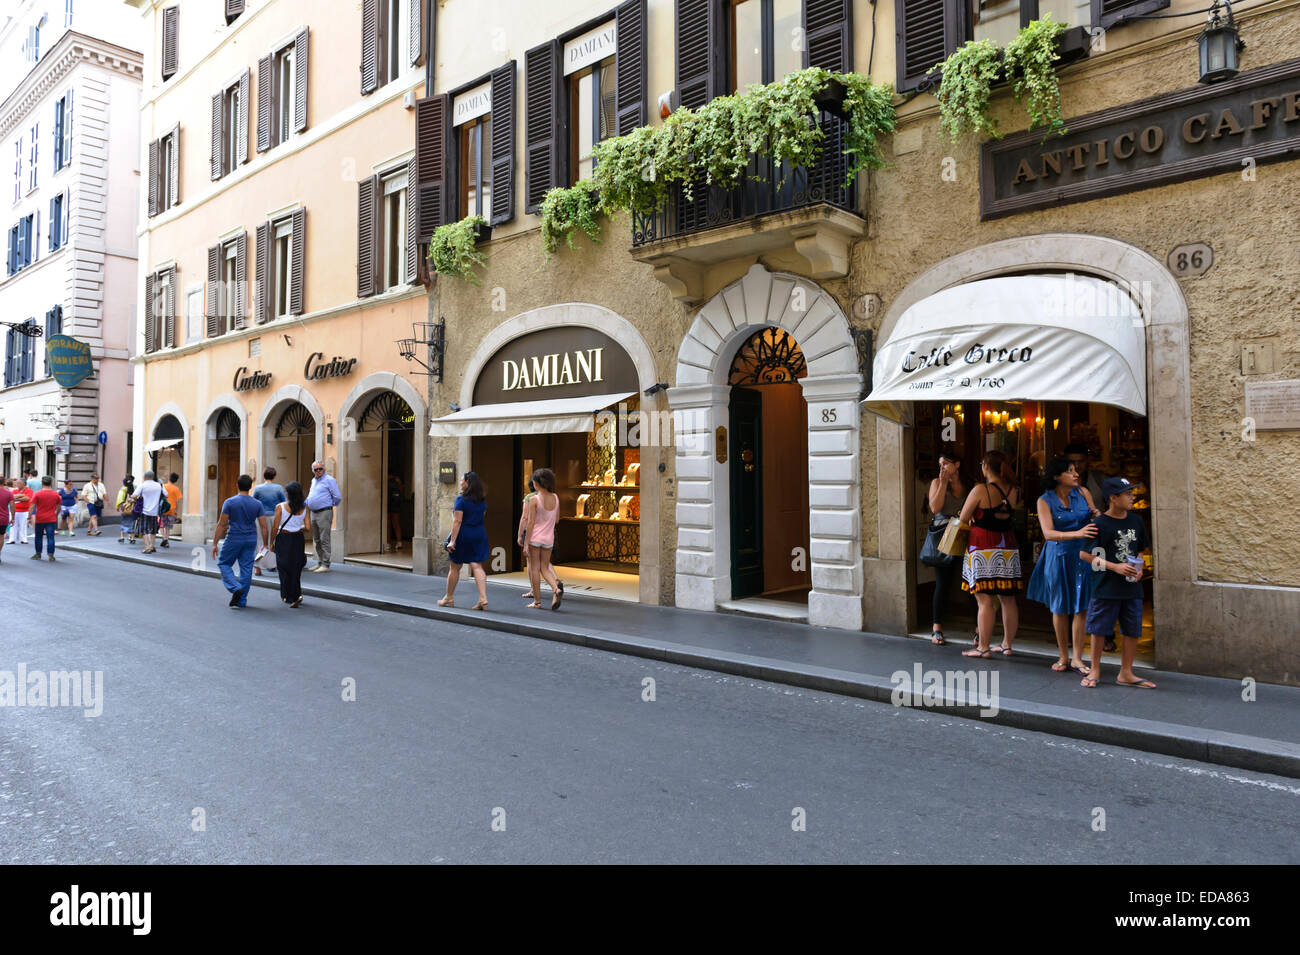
[{"x": 164, "y": 504}]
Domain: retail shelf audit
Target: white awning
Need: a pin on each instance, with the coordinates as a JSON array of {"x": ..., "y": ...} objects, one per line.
[
  {"x": 549, "y": 416},
  {"x": 161, "y": 443},
  {"x": 1017, "y": 338}
]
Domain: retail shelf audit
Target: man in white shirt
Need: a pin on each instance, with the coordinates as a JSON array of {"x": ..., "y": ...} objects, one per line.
[
  {"x": 150, "y": 492},
  {"x": 94, "y": 494}
]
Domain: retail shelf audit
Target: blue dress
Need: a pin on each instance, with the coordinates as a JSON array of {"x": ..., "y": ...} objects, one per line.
[
  {"x": 1060, "y": 580},
  {"x": 472, "y": 540}
]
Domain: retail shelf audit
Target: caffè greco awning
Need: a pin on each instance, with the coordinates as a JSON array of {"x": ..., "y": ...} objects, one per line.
[
  {"x": 1017, "y": 338},
  {"x": 550, "y": 416}
]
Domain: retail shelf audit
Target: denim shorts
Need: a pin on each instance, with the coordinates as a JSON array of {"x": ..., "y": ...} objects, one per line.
[{"x": 1103, "y": 612}]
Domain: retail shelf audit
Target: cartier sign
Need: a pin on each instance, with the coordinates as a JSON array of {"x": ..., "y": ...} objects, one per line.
[
  {"x": 567, "y": 361},
  {"x": 1193, "y": 132}
]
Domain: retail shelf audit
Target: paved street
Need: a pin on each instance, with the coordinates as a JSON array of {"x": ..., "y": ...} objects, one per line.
[{"x": 241, "y": 714}]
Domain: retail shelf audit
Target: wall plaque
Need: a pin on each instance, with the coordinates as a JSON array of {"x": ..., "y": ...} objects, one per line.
[
  {"x": 1274, "y": 405},
  {"x": 1193, "y": 132}
]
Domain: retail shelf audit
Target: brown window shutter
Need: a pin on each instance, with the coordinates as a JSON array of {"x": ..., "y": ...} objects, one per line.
[
  {"x": 241, "y": 134},
  {"x": 241, "y": 277},
  {"x": 153, "y": 177},
  {"x": 150, "y": 314},
  {"x": 630, "y": 66},
  {"x": 700, "y": 47},
  {"x": 169, "y": 310},
  {"x": 297, "y": 265},
  {"x": 369, "y": 46},
  {"x": 218, "y": 114},
  {"x": 430, "y": 185},
  {"x": 262, "y": 275},
  {"x": 503, "y": 144},
  {"x": 264, "y": 104},
  {"x": 545, "y": 142},
  {"x": 170, "y": 36},
  {"x": 301, "y": 53},
  {"x": 828, "y": 34},
  {"x": 367, "y": 207},
  {"x": 212, "y": 309},
  {"x": 174, "y": 172},
  {"x": 416, "y": 32},
  {"x": 1107, "y": 13},
  {"x": 927, "y": 31},
  {"x": 233, "y": 9},
  {"x": 412, "y": 215}
]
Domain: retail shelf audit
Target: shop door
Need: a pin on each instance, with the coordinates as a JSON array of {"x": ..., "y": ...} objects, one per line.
[
  {"x": 366, "y": 493},
  {"x": 745, "y": 458},
  {"x": 227, "y": 469}
]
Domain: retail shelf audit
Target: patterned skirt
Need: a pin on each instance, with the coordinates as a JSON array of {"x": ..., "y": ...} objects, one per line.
[{"x": 992, "y": 564}]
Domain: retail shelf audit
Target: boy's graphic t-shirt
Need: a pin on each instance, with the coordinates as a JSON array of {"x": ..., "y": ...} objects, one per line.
[{"x": 1120, "y": 539}]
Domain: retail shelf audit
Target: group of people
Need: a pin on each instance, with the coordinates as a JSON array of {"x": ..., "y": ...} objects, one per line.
[
  {"x": 1089, "y": 572},
  {"x": 24, "y": 505},
  {"x": 145, "y": 510},
  {"x": 467, "y": 543}
]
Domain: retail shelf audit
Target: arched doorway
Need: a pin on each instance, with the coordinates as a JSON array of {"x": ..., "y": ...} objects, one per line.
[
  {"x": 768, "y": 472},
  {"x": 167, "y": 448},
  {"x": 290, "y": 447},
  {"x": 386, "y": 442},
  {"x": 226, "y": 429}
]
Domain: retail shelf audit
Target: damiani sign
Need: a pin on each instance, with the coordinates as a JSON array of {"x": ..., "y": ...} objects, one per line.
[
  {"x": 1192, "y": 132},
  {"x": 547, "y": 371}
]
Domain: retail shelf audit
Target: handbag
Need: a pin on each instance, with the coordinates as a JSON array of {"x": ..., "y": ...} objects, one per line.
[
  {"x": 931, "y": 555},
  {"x": 955, "y": 538}
]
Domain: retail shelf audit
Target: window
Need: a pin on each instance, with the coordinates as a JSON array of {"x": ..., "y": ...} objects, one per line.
[
  {"x": 33, "y": 148},
  {"x": 394, "y": 270},
  {"x": 282, "y": 93},
  {"x": 22, "y": 243},
  {"x": 58, "y": 222},
  {"x": 170, "y": 38},
  {"x": 67, "y": 14},
  {"x": 160, "y": 309},
  {"x": 393, "y": 29},
  {"x": 53, "y": 326},
  {"x": 231, "y": 113},
  {"x": 63, "y": 131},
  {"x": 281, "y": 263},
  {"x": 32, "y": 45},
  {"x": 476, "y": 167},
  {"x": 278, "y": 280},
  {"x": 1001, "y": 20},
  {"x": 20, "y": 355},
  {"x": 229, "y": 282},
  {"x": 591, "y": 111},
  {"x": 230, "y": 127},
  {"x": 164, "y": 172},
  {"x": 194, "y": 314},
  {"x": 390, "y": 39},
  {"x": 18, "y": 169},
  {"x": 226, "y": 278},
  {"x": 766, "y": 41},
  {"x": 233, "y": 9}
]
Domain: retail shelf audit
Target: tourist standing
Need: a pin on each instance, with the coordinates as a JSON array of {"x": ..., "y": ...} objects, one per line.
[
  {"x": 68, "y": 507},
  {"x": 947, "y": 491},
  {"x": 541, "y": 515},
  {"x": 167, "y": 521},
  {"x": 269, "y": 495},
  {"x": 519, "y": 535},
  {"x": 287, "y": 539},
  {"x": 148, "y": 495},
  {"x": 992, "y": 565},
  {"x": 468, "y": 541},
  {"x": 94, "y": 494},
  {"x": 322, "y": 498},
  {"x": 1060, "y": 581},
  {"x": 6, "y": 511},
  {"x": 124, "y": 505},
  {"x": 22, "y": 508},
  {"x": 45, "y": 514},
  {"x": 236, "y": 536}
]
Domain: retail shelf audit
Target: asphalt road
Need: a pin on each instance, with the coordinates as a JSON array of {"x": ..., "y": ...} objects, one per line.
[{"x": 240, "y": 714}]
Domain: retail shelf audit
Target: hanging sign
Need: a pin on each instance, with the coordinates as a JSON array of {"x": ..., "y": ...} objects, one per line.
[{"x": 69, "y": 360}]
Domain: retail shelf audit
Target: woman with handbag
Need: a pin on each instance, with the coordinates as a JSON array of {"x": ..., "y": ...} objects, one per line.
[
  {"x": 286, "y": 539},
  {"x": 992, "y": 564},
  {"x": 947, "y": 492},
  {"x": 124, "y": 506},
  {"x": 468, "y": 541},
  {"x": 1061, "y": 581}
]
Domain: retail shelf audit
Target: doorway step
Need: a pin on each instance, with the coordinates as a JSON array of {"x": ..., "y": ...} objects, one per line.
[
  {"x": 768, "y": 608},
  {"x": 396, "y": 560}
]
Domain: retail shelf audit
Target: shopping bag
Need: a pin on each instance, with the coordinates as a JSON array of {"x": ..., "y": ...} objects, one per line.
[{"x": 955, "y": 537}]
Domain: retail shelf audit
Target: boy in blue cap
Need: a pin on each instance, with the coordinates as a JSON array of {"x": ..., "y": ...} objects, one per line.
[{"x": 1116, "y": 560}]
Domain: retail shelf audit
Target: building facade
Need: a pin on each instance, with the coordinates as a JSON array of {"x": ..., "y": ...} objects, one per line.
[{"x": 72, "y": 72}]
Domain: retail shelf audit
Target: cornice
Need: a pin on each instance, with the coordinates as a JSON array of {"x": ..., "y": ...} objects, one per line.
[{"x": 71, "y": 50}]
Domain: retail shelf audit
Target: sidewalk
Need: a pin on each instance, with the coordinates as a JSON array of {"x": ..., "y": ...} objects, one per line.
[{"x": 1194, "y": 717}]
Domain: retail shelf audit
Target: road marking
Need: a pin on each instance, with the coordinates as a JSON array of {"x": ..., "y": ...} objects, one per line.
[{"x": 363, "y": 613}]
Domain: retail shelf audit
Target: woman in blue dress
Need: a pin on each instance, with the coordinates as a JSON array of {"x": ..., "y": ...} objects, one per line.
[
  {"x": 1060, "y": 580},
  {"x": 468, "y": 541}
]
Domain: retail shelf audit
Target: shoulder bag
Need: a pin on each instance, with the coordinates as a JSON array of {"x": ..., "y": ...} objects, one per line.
[{"x": 931, "y": 555}]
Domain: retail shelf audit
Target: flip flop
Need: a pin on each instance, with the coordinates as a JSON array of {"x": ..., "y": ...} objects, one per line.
[
  {"x": 1089, "y": 682},
  {"x": 1084, "y": 670},
  {"x": 1004, "y": 650},
  {"x": 1140, "y": 684},
  {"x": 977, "y": 652},
  {"x": 936, "y": 637},
  {"x": 1059, "y": 667}
]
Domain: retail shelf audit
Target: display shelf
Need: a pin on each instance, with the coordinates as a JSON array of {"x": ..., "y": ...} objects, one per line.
[
  {"x": 627, "y": 488},
  {"x": 598, "y": 520}
]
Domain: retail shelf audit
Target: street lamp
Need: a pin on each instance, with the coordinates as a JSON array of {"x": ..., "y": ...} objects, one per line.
[
  {"x": 1219, "y": 46},
  {"x": 429, "y": 337}
]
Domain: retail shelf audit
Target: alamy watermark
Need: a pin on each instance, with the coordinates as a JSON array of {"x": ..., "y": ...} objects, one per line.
[
  {"x": 931, "y": 688},
  {"x": 79, "y": 689}
]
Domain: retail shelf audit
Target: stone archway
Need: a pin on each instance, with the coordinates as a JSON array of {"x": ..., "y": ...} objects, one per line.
[
  {"x": 699, "y": 400},
  {"x": 173, "y": 410},
  {"x": 283, "y": 452},
  {"x": 209, "y": 504},
  {"x": 1179, "y": 598}
]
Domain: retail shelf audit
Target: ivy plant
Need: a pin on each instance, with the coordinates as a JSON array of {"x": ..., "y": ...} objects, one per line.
[
  {"x": 1031, "y": 63},
  {"x": 966, "y": 88},
  {"x": 453, "y": 250},
  {"x": 713, "y": 145}
]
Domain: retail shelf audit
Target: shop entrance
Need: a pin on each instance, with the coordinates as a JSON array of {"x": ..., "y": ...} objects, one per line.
[
  {"x": 381, "y": 519},
  {"x": 768, "y": 466},
  {"x": 292, "y": 446},
  {"x": 227, "y": 436},
  {"x": 166, "y": 448}
]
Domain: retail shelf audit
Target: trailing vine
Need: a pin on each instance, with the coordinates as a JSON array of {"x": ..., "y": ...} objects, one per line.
[
  {"x": 714, "y": 144},
  {"x": 1028, "y": 61},
  {"x": 453, "y": 250}
]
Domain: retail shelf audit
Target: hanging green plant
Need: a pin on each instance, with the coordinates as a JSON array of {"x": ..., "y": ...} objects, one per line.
[
  {"x": 565, "y": 211},
  {"x": 1031, "y": 63},
  {"x": 966, "y": 88},
  {"x": 453, "y": 250}
]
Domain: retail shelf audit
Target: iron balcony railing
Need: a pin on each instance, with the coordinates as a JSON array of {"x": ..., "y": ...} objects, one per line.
[{"x": 765, "y": 188}]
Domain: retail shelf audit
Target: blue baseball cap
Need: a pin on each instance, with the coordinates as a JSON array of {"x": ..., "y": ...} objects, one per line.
[{"x": 1118, "y": 485}]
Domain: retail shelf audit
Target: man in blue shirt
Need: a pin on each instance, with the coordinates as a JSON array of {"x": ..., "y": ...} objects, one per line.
[
  {"x": 238, "y": 528},
  {"x": 268, "y": 494},
  {"x": 322, "y": 498}
]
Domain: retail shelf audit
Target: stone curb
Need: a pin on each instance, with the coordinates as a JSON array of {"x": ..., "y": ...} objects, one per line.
[{"x": 1253, "y": 753}]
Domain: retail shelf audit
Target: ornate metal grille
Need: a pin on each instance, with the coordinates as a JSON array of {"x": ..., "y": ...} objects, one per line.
[
  {"x": 387, "y": 410},
  {"x": 227, "y": 425},
  {"x": 768, "y": 357},
  {"x": 295, "y": 422}
]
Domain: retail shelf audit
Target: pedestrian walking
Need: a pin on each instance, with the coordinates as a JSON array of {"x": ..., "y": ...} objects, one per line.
[
  {"x": 22, "y": 511},
  {"x": 519, "y": 535},
  {"x": 94, "y": 494},
  {"x": 947, "y": 492},
  {"x": 287, "y": 540},
  {"x": 166, "y": 522},
  {"x": 322, "y": 498},
  {"x": 45, "y": 514},
  {"x": 68, "y": 507},
  {"x": 6, "y": 511},
  {"x": 540, "y": 516},
  {"x": 1060, "y": 581},
  {"x": 1117, "y": 566},
  {"x": 125, "y": 505},
  {"x": 236, "y": 537},
  {"x": 270, "y": 495},
  {"x": 468, "y": 541},
  {"x": 149, "y": 495},
  {"x": 33, "y": 480},
  {"x": 991, "y": 568}
]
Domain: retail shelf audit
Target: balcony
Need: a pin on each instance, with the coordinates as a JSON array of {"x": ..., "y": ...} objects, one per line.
[{"x": 809, "y": 212}]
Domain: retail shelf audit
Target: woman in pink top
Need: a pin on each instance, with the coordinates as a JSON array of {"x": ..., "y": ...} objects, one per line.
[{"x": 539, "y": 534}]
